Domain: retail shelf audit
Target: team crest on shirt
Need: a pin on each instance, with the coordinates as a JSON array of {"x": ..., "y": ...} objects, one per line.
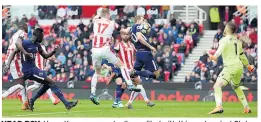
[{"x": 41, "y": 74}]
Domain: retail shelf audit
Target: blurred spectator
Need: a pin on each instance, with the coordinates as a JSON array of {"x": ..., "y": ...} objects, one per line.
[
  {"x": 129, "y": 11},
  {"x": 125, "y": 21},
  {"x": 24, "y": 19},
  {"x": 175, "y": 62},
  {"x": 193, "y": 32},
  {"x": 86, "y": 33},
  {"x": 253, "y": 23},
  {"x": 219, "y": 35},
  {"x": 227, "y": 15},
  {"x": 5, "y": 47},
  {"x": 188, "y": 38},
  {"x": 50, "y": 70},
  {"x": 254, "y": 79},
  {"x": 170, "y": 38},
  {"x": 50, "y": 37},
  {"x": 250, "y": 57},
  {"x": 62, "y": 58},
  {"x": 175, "y": 32},
  {"x": 140, "y": 11},
  {"x": 214, "y": 17},
  {"x": 155, "y": 43},
  {"x": 179, "y": 40},
  {"x": 247, "y": 77},
  {"x": 51, "y": 12},
  {"x": 215, "y": 44},
  {"x": 78, "y": 59},
  {"x": 181, "y": 51},
  {"x": 165, "y": 11},
  {"x": 182, "y": 30},
  {"x": 16, "y": 21},
  {"x": 253, "y": 36},
  {"x": 90, "y": 26},
  {"x": 204, "y": 57},
  {"x": 55, "y": 27},
  {"x": 61, "y": 32},
  {"x": 159, "y": 62},
  {"x": 81, "y": 25},
  {"x": 118, "y": 20},
  {"x": 172, "y": 20},
  {"x": 242, "y": 27},
  {"x": 188, "y": 78},
  {"x": 151, "y": 20},
  {"x": 222, "y": 25},
  {"x": 42, "y": 10},
  {"x": 166, "y": 29}
]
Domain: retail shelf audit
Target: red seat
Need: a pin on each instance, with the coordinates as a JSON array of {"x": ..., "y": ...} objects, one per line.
[
  {"x": 72, "y": 28},
  {"x": 187, "y": 49},
  {"x": 5, "y": 78},
  {"x": 179, "y": 59},
  {"x": 176, "y": 47},
  {"x": 201, "y": 29},
  {"x": 212, "y": 52},
  {"x": 3, "y": 57},
  {"x": 58, "y": 41}
]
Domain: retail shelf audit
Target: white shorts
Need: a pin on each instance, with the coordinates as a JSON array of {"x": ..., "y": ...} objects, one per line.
[
  {"x": 103, "y": 53},
  {"x": 37, "y": 84},
  {"x": 16, "y": 69}
]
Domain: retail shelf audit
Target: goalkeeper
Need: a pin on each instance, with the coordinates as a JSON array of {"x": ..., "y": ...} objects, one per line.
[{"x": 230, "y": 48}]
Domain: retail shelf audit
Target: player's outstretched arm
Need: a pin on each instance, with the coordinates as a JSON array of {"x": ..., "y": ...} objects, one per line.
[
  {"x": 47, "y": 55},
  {"x": 8, "y": 61},
  {"x": 21, "y": 48},
  {"x": 242, "y": 56},
  {"x": 220, "y": 49},
  {"x": 143, "y": 41}
]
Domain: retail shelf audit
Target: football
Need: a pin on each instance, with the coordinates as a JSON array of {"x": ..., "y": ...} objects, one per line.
[{"x": 145, "y": 28}]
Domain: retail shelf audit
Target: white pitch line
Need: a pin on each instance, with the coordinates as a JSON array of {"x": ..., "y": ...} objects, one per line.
[{"x": 24, "y": 115}]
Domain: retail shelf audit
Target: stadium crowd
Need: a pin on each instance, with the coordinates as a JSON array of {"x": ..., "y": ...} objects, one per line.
[
  {"x": 173, "y": 40},
  {"x": 207, "y": 71}
]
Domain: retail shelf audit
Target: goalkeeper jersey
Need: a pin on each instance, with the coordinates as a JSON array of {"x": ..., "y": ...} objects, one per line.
[{"x": 230, "y": 48}]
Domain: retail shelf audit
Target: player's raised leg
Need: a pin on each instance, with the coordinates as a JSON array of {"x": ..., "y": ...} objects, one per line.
[
  {"x": 124, "y": 72},
  {"x": 97, "y": 66},
  {"x": 240, "y": 93},
  {"x": 38, "y": 85},
  {"x": 222, "y": 80},
  {"x": 41, "y": 77},
  {"x": 119, "y": 91}
]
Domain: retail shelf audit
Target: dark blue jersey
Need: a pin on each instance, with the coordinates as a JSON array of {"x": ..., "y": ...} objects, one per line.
[
  {"x": 138, "y": 45},
  {"x": 29, "y": 47},
  {"x": 114, "y": 69}
]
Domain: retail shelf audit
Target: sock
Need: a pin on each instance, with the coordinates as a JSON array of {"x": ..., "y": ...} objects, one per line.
[
  {"x": 133, "y": 96},
  {"x": 118, "y": 93},
  {"x": 40, "y": 92},
  {"x": 23, "y": 95},
  {"x": 12, "y": 90},
  {"x": 218, "y": 96},
  {"x": 125, "y": 74},
  {"x": 143, "y": 93},
  {"x": 50, "y": 94},
  {"x": 146, "y": 73},
  {"x": 59, "y": 94},
  {"x": 32, "y": 87},
  {"x": 241, "y": 96},
  {"x": 94, "y": 83}
]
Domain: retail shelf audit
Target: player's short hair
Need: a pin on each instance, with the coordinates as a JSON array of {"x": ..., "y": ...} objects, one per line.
[
  {"x": 232, "y": 26},
  {"x": 23, "y": 26},
  {"x": 136, "y": 18},
  {"x": 105, "y": 12}
]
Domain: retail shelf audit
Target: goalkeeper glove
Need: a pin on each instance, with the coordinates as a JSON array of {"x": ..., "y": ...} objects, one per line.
[{"x": 250, "y": 68}]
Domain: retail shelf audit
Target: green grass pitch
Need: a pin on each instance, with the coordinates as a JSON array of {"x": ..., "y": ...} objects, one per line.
[{"x": 85, "y": 108}]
